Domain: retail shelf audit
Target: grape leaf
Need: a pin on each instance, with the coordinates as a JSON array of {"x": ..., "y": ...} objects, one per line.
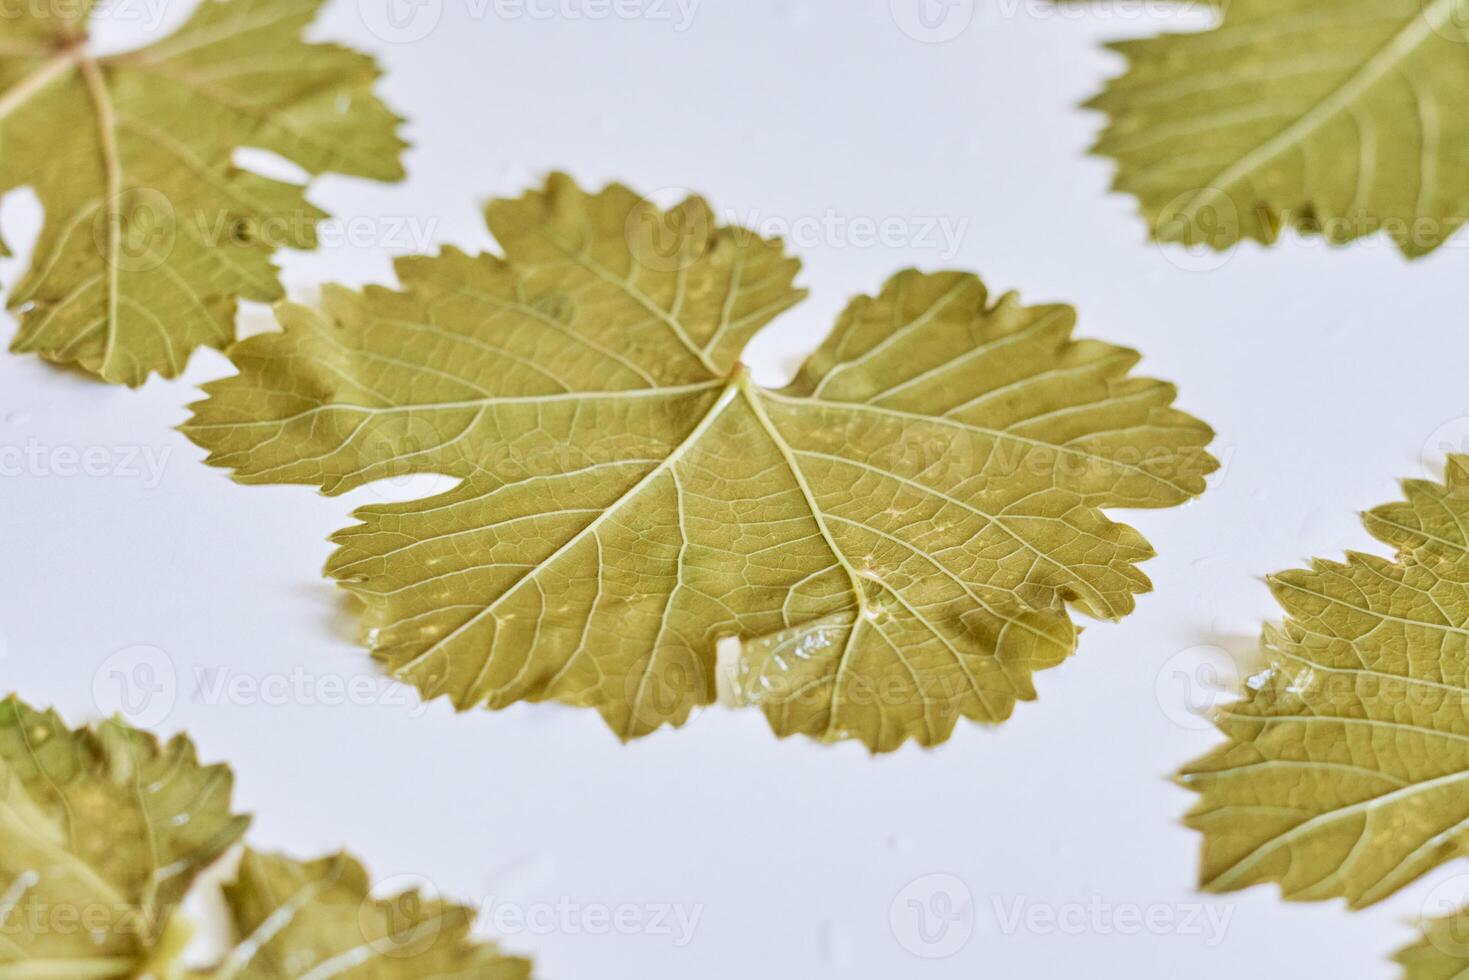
[
  {"x": 1346, "y": 761},
  {"x": 894, "y": 536},
  {"x": 1338, "y": 119},
  {"x": 318, "y": 919},
  {"x": 152, "y": 233},
  {"x": 1443, "y": 951},
  {"x": 102, "y": 834}
]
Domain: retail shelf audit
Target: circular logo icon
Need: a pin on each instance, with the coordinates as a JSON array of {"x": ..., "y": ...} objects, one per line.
[
  {"x": 1198, "y": 231},
  {"x": 1194, "y": 682},
  {"x": 405, "y": 924},
  {"x": 139, "y": 683},
  {"x": 933, "y": 916},
  {"x": 1448, "y": 20},
  {"x": 408, "y": 454},
  {"x": 932, "y": 21},
  {"x": 667, "y": 688},
  {"x": 400, "y": 21},
  {"x": 136, "y": 230},
  {"x": 669, "y": 230},
  {"x": 1451, "y": 437},
  {"x": 1449, "y": 935},
  {"x": 939, "y": 456}
]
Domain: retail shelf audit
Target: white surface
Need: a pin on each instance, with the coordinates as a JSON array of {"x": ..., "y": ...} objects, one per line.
[{"x": 1324, "y": 372}]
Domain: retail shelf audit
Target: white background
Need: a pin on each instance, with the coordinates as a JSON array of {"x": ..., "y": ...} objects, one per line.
[{"x": 1328, "y": 374}]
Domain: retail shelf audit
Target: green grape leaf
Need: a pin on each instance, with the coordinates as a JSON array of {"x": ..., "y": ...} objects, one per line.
[
  {"x": 1443, "y": 951},
  {"x": 1346, "y": 761},
  {"x": 101, "y": 834},
  {"x": 151, "y": 232},
  {"x": 318, "y": 919},
  {"x": 894, "y": 537},
  {"x": 1337, "y": 119}
]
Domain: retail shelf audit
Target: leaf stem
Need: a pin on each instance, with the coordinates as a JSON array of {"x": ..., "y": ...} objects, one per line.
[{"x": 49, "y": 70}]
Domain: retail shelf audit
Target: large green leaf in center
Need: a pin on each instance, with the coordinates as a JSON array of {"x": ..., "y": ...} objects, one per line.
[{"x": 895, "y": 536}]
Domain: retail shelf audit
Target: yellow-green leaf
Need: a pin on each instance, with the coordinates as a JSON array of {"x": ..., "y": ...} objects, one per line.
[
  {"x": 1340, "y": 119},
  {"x": 101, "y": 833},
  {"x": 151, "y": 232},
  {"x": 895, "y": 536},
  {"x": 300, "y": 919},
  {"x": 1442, "y": 953},
  {"x": 1348, "y": 758}
]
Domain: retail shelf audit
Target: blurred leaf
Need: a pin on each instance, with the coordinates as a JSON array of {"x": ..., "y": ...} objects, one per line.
[
  {"x": 1338, "y": 119},
  {"x": 1442, "y": 953},
  {"x": 152, "y": 232},
  {"x": 102, "y": 832},
  {"x": 318, "y": 919},
  {"x": 1348, "y": 758}
]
